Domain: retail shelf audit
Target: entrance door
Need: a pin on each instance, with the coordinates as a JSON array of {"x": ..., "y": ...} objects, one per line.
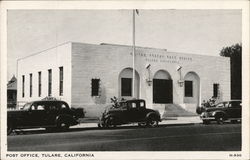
[{"x": 162, "y": 91}]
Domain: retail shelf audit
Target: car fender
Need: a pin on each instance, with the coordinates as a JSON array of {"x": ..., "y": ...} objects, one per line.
[
  {"x": 153, "y": 114},
  {"x": 117, "y": 119},
  {"x": 219, "y": 114},
  {"x": 66, "y": 118}
]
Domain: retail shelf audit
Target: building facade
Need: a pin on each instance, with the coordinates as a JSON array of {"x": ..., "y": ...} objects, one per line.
[{"x": 88, "y": 75}]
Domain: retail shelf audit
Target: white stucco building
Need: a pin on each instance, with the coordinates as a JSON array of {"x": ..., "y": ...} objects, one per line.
[{"x": 88, "y": 75}]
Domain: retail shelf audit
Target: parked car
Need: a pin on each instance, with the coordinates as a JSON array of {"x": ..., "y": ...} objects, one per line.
[
  {"x": 44, "y": 114},
  {"x": 129, "y": 111},
  {"x": 227, "y": 110}
]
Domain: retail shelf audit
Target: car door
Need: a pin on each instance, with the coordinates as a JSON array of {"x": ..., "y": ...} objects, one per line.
[
  {"x": 132, "y": 112},
  {"x": 36, "y": 115},
  {"x": 52, "y": 111},
  {"x": 124, "y": 113},
  {"x": 142, "y": 112}
]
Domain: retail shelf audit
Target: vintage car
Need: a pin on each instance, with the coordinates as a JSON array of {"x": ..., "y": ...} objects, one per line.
[
  {"x": 47, "y": 114},
  {"x": 227, "y": 110},
  {"x": 129, "y": 111}
]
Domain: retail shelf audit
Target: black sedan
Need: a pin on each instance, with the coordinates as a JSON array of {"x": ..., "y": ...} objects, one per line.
[
  {"x": 129, "y": 111},
  {"x": 227, "y": 110}
]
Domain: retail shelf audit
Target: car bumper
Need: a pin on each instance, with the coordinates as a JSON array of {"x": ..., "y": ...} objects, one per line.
[{"x": 206, "y": 116}]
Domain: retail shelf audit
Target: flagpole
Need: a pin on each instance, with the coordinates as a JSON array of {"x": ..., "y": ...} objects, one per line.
[{"x": 133, "y": 83}]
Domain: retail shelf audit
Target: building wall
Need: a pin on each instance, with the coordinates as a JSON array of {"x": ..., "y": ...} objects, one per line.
[
  {"x": 107, "y": 61},
  {"x": 49, "y": 59}
]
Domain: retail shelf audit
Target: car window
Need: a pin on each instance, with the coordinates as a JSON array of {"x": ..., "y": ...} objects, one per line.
[
  {"x": 226, "y": 104},
  {"x": 37, "y": 107},
  {"x": 123, "y": 105},
  {"x": 63, "y": 106},
  {"x": 133, "y": 105},
  {"x": 40, "y": 107},
  {"x": 141, "y": 104},
  {"x": 26, "y": 106},
  {"x": 235, "y": 104},
  {"x": 33, "y": 107}
]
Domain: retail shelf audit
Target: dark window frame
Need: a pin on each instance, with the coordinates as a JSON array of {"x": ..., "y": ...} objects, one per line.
[
  {"x": 95, "y": 87},
  {"x": 49, "y": 82},
  {"x": 216, "y": 90},
  {"x": 23, "y": 85},
  {"x": 31, "y": 76},
  {"x": 39, "y": 84},
  {"x": 60, "y": 81},
  {"x": 126, "y": 87},
  {"x": 188, "y": 87}
]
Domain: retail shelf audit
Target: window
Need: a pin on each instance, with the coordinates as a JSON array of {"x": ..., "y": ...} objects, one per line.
[
  {"x": 133, "y": 105},
  {"x": 31, "y": 85},
  {"x": 141, "y": 104},
  {"x": 23, "y": 82},
  {"x": 126, "y": 84},
  {"x": 39, "y": 84},
  {"x": 95, "y": 87},
  {"x": 216, "y": 90},
  {"x": 60, "y": 81},
  {"x": 49, "y": 82},
  {"x": 188, "y": 88}
]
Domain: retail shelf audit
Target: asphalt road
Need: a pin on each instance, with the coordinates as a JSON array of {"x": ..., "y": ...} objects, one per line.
[{"x": 196, "y": 137}]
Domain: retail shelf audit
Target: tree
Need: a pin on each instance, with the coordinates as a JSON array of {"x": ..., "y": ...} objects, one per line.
[{"x": 235, "y": 54}]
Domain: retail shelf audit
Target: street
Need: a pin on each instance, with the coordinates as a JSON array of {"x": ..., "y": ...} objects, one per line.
[{"x": 196, "y": 137}]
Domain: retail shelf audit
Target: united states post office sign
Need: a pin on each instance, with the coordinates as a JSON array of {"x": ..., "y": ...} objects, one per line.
[{"x": 156, "y": 57}]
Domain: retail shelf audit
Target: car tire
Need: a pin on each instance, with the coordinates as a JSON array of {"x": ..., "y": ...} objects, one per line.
[
  {"x": 9, "y": 129},
  {"x": 63, "y": 125},
  {"x": 206, "y": 122},
  {"x": 220, "y": 120},
  {"x": 152, "y": 122},
  {"x": 110, "y": 122}
]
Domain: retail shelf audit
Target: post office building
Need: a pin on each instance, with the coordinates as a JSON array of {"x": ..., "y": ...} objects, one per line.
[{"x": 88, "y": 75}]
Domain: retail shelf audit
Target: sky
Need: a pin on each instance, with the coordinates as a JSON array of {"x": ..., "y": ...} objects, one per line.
[{"x": 203, "y": 32}]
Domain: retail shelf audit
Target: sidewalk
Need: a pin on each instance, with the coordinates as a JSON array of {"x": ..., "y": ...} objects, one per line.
[{"x": 92, "y": 123}]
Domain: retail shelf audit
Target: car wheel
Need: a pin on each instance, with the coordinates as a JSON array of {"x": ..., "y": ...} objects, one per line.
[
  {"x": 63, "y": 126},
  {"x": 152, "y": 122},
  {"x": 110, "y": 122},
  {"x": 9, "y": 129},
  {"x": 206, "y": 122},
  {"x": 220, "y": 120}
]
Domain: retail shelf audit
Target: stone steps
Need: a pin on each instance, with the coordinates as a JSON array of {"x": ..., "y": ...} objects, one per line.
[{"x": 175, "y": 110}]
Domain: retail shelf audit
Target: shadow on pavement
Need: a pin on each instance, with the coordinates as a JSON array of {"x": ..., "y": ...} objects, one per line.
[{"x": 43, "y": 131}]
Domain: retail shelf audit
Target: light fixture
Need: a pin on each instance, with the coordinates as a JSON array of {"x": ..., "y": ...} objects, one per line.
[
  {"x": 148, "y": 80},
  {"x": 180, "y": 81}
]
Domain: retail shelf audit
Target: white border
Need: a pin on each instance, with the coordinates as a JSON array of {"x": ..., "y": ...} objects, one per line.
[{"x": 244, "y": 5}]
